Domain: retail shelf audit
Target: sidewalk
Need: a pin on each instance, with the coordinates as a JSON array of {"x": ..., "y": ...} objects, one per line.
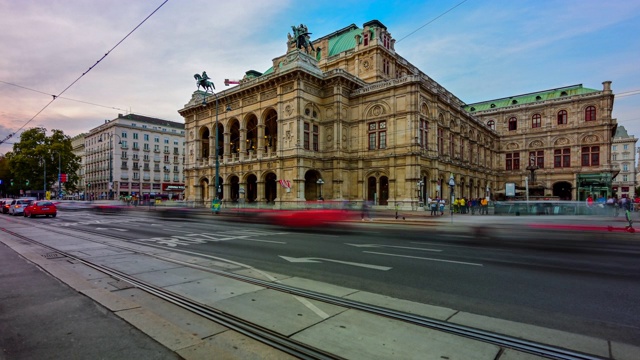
[{"x": 43, "y": 318}]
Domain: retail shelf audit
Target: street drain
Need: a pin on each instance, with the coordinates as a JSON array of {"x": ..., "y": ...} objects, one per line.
[{"x": 53, "y": 255}]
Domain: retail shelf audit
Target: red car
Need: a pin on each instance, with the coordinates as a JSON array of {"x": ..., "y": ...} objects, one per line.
[{"x": 40, "y": 207}]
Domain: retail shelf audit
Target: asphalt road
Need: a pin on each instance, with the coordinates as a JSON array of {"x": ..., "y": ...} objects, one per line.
[{"x": 589, "y": 287}]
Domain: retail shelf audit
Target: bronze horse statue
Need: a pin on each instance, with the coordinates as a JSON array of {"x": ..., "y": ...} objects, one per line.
[
  {"x": 204, "y": 82},
  {"x": 301, "y": 38}
]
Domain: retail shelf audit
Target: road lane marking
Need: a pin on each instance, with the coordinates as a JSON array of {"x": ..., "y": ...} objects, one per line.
[
  {"x": 393, "y": 246},
  {"x": 312, "y": 307},
  {"x": 319, "y": 260},
  {"x": 111, "y": 229},
  {"x": 423, "y": 258}
]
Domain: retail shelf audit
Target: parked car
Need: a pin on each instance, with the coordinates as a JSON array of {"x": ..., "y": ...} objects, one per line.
[
  {"x": 17, "y": 205},
  {"x": 41, "y": 207},
  {"x": 4, "y": 205}
]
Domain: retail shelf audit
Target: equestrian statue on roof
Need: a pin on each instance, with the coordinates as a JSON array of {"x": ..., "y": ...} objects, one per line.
[
  {"x": 204, "y": 82},
  {"x": 301, "y": 38}
]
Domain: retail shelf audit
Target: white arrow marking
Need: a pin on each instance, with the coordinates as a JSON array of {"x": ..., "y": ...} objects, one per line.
[
  {"x": 393, "y": 246},
  {"x": 423, "y": 258},
  {"x": 317, "y": 260},
  {"x": 111, "y": 229}
]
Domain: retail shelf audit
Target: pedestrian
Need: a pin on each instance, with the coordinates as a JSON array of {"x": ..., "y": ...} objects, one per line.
[
  {"x": 365, "y": 210},
  {"x": 474, "y": 204},
  {"x": 442, "y": 207},
  {"x": 434, "y": 206}
]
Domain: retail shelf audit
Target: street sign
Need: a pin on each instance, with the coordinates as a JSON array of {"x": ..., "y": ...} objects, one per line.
[{"x": 510, "y": 189}]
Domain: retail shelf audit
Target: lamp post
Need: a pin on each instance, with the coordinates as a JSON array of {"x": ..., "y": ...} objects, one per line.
[
  {"x": 110, "y": 136},
  {"x": 452, "y": 185},
  {"x": 320, "y": 182},
  {"x": 216, "y": 152}
]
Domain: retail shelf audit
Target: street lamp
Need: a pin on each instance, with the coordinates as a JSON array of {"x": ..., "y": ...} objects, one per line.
[
  {"x": 217, "y": 180},
  {"x": 320, "y": 182},
  {"x": 110, "y": 159},
  {"x": 452, "y": 184},
  {"x": 420, "y": 196}
]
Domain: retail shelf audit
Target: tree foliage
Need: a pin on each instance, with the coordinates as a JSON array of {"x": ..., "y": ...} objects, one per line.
[{"x": 37, "y": 153}]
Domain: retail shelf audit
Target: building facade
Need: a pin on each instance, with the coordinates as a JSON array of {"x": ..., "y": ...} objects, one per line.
[
  {"x": 623, "y": 154},
  {"x": 135, "y": 155},
  {"x": 351, "y": 120},
  {"x": 557, "y": 142},
  {"x": 77, "y": 148}
]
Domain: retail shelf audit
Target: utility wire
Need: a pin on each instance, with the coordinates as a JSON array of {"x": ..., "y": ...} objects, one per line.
[
  {"x": 628, "y": 93},
  {"x": 432, "y": 20},
  {"x": 54, "y": 97},
  {"x": 76, "y": 100}
]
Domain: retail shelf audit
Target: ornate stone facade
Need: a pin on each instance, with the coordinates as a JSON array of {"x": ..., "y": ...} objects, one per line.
[
  {"x": 364, "y": 120},
  {"x": 568, "y": 133}
]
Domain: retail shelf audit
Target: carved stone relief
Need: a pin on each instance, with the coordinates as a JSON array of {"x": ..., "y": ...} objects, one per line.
[
  {"x": 287, "y": 87},
  {"x": 329, "y": 131},
  {"x": 536, "y": 144},
  {"x": 330, "y": 112},
  {"x": 288, "y": 110},
  {"x": 590, "y": 139}
]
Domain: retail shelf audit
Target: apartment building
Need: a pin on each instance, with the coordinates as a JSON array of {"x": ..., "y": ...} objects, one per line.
[{"x": 134, "y": 155}]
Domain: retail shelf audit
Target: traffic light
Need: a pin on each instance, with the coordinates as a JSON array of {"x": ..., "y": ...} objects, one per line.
[
  {"x": 11, "y": 182},
  {"x": 88, "y": 184},
  {"x": 27, "y": 182}
]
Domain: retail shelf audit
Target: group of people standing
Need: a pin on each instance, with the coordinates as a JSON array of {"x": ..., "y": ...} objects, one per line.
[
  {"x": 612, "y": 205},
  {"x": 460, "y": 206}
]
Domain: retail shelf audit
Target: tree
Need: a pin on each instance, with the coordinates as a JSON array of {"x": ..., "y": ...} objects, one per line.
[
  {"x": 35, "y": 151},
  {"x": 5, "y": 175}
]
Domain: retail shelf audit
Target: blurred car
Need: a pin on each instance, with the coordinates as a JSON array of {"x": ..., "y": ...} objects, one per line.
[
  {"x": 40, "y": 207},
  {"x": 17, "y": 206},
  {"x": 72, "y": 205},
  {"x": 310, "y": 218},
  {"x": 108, "y": 206},
  {"x": 4, "y": 205},
  {"x": 178, "y": 209}
]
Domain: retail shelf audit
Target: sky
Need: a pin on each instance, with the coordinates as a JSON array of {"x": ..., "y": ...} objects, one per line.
[{"x": 477, "y": 49}]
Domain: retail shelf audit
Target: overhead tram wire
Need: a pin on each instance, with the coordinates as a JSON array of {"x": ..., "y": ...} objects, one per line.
[
  {"x": 55, "y": 97},
  {"x": 432, "y": 20},
  {"x": 76, "y": 100}
]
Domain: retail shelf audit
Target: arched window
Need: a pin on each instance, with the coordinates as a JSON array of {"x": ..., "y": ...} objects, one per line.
[
  {"x": 513, "y": 124},
  {"x": 536, "y": 121},
  {"x": 491, "y": 124},
  {"x": 562, "y": 117},
  {"x": 424, "y": 134},
  {"x": 590, "y": 113}
]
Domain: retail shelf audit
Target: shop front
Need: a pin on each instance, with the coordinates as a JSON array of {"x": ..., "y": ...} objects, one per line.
[
  {"x": 598, "y": 185},
  {"x": 174, "y": 191}
]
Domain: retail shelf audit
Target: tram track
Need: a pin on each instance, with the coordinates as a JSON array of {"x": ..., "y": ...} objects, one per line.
[{"x": 282, "y": 342}]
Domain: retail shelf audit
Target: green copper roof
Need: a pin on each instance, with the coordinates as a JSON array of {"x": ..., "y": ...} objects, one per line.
[
  {"x": 343, "y": 41},
  {"x": 529, "y": 98}
]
